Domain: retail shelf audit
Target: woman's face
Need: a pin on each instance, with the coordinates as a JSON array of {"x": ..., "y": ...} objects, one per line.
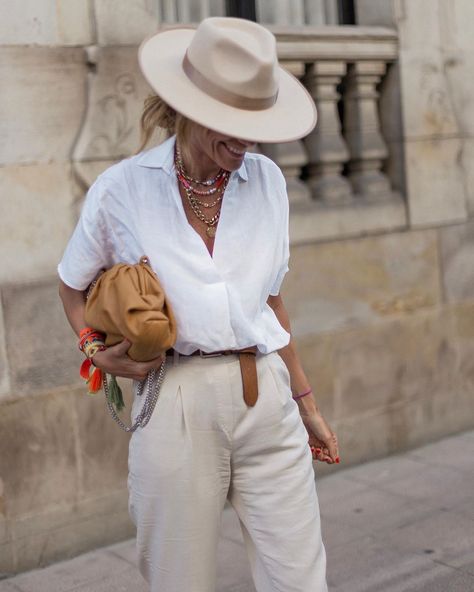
[{"x": 212, "y": 148}]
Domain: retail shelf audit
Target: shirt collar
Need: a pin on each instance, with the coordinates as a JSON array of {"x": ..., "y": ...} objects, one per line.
[{"x": 162, "y": 157}]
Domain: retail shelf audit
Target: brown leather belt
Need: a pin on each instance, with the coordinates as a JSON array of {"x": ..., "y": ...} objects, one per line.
[{"x": 248, "y": 368}]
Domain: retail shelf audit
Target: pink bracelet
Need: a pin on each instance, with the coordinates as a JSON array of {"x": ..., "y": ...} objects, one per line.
[{"x": 302, "y": 394}]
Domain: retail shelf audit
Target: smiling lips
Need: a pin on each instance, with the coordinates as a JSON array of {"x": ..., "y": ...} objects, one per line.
[{"x": 234, "y": 151}]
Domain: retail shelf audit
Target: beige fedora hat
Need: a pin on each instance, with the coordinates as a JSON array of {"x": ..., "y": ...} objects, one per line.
[{"x": 225, "y": 76}]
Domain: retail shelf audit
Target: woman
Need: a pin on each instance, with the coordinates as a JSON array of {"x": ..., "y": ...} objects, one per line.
[{"x": 213, "y": 220}]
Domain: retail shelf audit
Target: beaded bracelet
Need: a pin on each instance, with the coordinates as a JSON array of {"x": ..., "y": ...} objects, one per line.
[
  {"x": 91, "y": 342},
  {"x": 301, "y": 395},
  {"x": 88, "y": 337}
]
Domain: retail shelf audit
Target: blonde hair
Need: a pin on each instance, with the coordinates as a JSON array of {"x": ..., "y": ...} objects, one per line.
[{"x": 158, "y": 114}]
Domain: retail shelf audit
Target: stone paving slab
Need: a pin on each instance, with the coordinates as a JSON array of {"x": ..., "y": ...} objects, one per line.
[{"x": 400, "y": 524}]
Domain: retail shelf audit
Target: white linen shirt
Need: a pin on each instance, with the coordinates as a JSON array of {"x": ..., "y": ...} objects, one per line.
[{"x": 134, "y": 208}]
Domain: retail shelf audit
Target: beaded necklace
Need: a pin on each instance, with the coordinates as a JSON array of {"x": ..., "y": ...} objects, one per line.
[
  {"x": 180, "y": 168},
  {"x": 220, "y": 181}
]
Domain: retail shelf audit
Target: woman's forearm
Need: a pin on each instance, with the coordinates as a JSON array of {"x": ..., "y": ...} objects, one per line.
[
  {"x": 298, "y": 378},
  {"x": 74, "y": 305}
]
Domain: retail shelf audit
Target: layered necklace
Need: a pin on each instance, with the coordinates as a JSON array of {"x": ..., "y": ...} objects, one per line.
[{"x": 213, "y": 187}]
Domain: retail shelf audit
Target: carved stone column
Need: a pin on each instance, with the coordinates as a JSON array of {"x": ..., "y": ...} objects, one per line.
[
  {"x": 326, "y": 148},
  {"x": 190, "y": 11},
  {"x": 362, "y": 130},
  {"x": 321, "y": 12},
  {"x": 282, "y": 12},
  {"x": 291, "y": 157}
]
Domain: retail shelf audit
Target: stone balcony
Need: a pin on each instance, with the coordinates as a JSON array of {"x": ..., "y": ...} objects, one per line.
[{"x": 344, "y": 179}]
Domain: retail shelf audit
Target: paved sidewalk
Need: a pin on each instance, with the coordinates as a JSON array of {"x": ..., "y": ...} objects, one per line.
[{"x": 401, "y": 524}]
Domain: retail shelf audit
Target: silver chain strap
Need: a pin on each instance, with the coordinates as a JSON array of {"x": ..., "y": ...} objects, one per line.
[{"x": 155, "y": 377}]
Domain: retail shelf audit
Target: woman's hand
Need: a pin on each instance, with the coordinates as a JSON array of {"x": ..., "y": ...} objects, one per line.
[
  {"x": 321, "y": 437},
  {"x": 114, "y": 360}
]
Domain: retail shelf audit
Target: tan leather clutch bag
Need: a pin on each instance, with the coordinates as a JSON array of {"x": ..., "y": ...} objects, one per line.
[{"x": 128, "y": 301}]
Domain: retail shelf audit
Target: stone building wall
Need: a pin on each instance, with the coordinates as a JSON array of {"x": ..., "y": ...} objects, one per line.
[{"x": 384, "y": 319}]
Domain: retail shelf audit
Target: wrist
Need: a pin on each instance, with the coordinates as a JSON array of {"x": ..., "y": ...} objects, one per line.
[
  {"x": 307, "y": 404},
  {"x": 304, "y": 393},
  {"x": 91, "y": 342}
]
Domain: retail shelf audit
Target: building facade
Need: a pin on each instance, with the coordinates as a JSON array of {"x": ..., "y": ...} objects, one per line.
[{"x": 381, "y": 281}]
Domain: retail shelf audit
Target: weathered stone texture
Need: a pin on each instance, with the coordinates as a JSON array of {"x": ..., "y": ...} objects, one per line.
[
  {"x": 390, "y": 386},
  {"x": 416, "y": 358},
  {"x": 42, "y": 22},
  {"x": 435, "y": 181},
  {"x": 457, "y": 249},
  {"x": 316, "y": 222},
  {"x": 37, "y": 220},
  {"x": 380, "y": 13},
  {"x": 67, "y": 531},
  {"x": 390, "y": 107},
  {"x": 466, "y": 160},
  {"x": 127, "y": 24},
  {"x": 458, "y": 65},
  {"x": 115, "y": 101},
  {"x": 418, "y": 25},
  {"x": 103, "y": 445},
  {"x": 456, "y": 20},
  {"x": 350, "y": 283},
  {"x": 428, "y": 110},
  {"x": 41, "y": 346},
  {"x": 435, "y": 64},
  {"x": 39, "y": 465},
  {"x": 64, "y": 475},
  {"x": 4, "y": 369},
  {"x": 39, "y": 126},
  {"x": 281, "y": 12}
]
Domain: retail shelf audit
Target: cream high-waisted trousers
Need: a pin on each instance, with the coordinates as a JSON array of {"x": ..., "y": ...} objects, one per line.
[{"x": 203, "y": 445}]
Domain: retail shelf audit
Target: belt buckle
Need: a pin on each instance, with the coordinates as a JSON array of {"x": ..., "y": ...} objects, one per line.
[{"x": 209, "y": 355}]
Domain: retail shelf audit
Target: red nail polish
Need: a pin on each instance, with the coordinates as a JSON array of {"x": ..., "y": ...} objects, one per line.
[
  {"x": 318, "y": 449},
  {"x": 337, "y": 459}
]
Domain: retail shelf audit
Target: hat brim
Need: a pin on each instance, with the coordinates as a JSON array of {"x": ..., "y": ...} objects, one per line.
[{"x": 292, "y": 116}]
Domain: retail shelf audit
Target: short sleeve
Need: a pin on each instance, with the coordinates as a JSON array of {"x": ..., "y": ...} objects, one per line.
[
  {"x": 87, "y": 251},
  {"x": 284, "y": 240}
]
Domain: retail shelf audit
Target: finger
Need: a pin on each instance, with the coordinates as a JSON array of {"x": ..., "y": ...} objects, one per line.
[
  {"x": 333, "y": 448},
  {"x": 318, "y": 453},
  {"x": 155, "y": 363},
  {"x": 321, "y": 453},
  {"x": 122, "y": 348}
]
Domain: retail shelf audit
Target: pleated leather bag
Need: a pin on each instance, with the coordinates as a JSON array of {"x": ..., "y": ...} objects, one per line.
[{"x": 128, "y": 301}]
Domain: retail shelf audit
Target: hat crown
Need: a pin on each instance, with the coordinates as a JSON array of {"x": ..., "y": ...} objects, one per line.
[{"x": 237, "y": 55}]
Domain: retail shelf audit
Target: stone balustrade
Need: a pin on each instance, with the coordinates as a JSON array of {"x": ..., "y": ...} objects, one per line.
[
  {"x": 343, "y": 162},
  {"x": 341, "y": 178}
]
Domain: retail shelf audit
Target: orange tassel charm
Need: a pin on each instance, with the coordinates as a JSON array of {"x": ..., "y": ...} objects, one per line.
[
  {"x": 94, "y": 379},
  {"x": 85, "y": 369}
]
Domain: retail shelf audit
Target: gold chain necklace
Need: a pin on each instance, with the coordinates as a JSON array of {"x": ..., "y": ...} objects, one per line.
[
  {"x": 211, "y": 223},
  {"x": 192, "y": 194}
]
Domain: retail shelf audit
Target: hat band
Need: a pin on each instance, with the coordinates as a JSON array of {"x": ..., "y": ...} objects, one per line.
[{"x": 225, "y": 96}]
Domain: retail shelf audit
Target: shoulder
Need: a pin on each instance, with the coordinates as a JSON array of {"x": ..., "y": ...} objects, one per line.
[
  {"x": 259, "y": 165},
  {"x": 129, "y": 171},
  {"x": 112, "y": 177}
]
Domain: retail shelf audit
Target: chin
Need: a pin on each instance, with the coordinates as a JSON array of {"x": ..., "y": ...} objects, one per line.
[
  {"x": 229, "y": 161},
  {"x": 232, "y": 166}
]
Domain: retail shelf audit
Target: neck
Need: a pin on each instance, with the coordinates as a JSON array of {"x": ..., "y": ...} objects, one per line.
[{"x": 197, "y": 164}]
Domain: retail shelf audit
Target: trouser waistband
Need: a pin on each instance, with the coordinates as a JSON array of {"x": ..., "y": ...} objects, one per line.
[{"x": 248, "y": 368}]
